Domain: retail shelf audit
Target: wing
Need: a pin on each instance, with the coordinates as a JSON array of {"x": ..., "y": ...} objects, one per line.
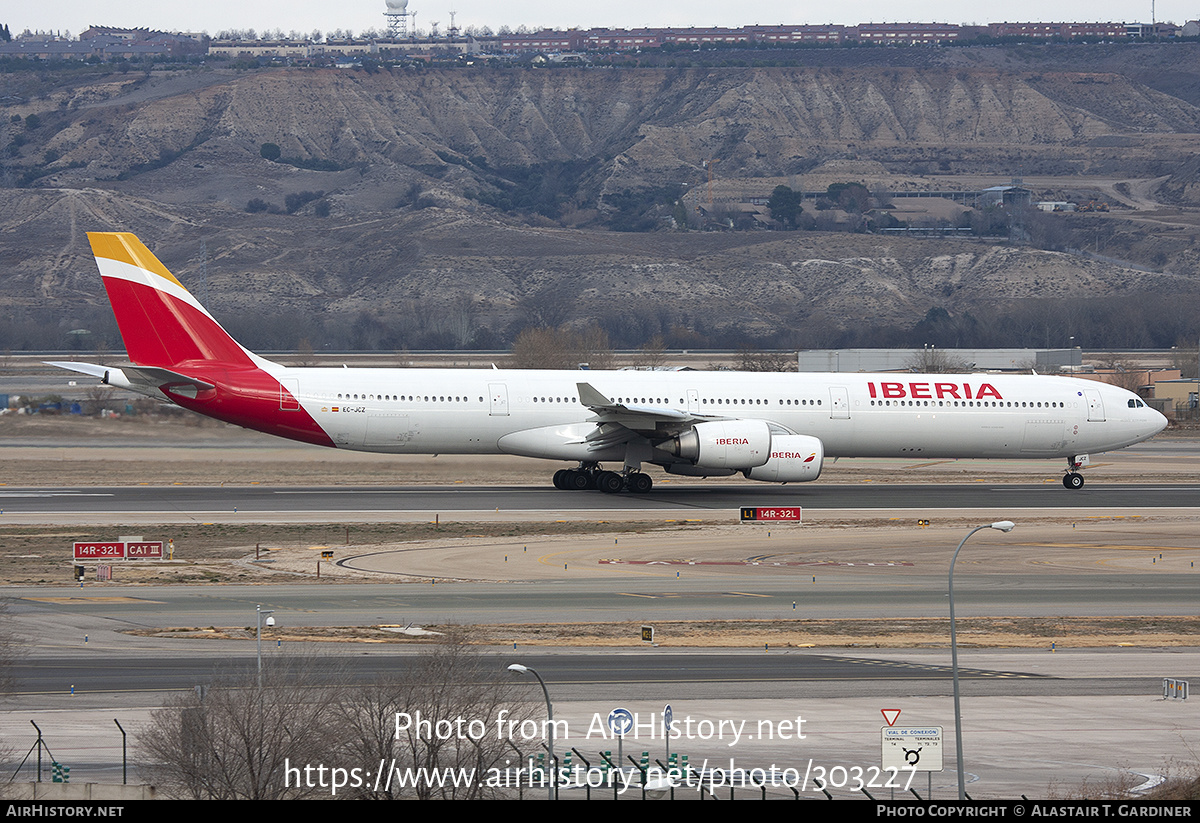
[{"x": 618, "y": 423}]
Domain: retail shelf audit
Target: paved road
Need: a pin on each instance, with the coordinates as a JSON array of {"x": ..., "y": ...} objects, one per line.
[{"x": 95, "y": 672}]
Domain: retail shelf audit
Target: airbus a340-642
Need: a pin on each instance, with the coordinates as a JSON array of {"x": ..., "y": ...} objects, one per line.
[{"x": 773, "y": 427}]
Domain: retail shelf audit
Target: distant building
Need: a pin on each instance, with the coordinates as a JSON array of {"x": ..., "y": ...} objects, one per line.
[
  {"x": 1005, "y": 196},
  {"x": 260, "y": 48},
  {"x": 543, "y": 41},
  {"x": 902, "y": 360},
  {"x": 1062, "y": 31},
  {"x": 909, "y": 34},
  {"x": 47, "y": 47},
  {"x": 104, "y": 43},
  {"x": 1055, "y": 205}
]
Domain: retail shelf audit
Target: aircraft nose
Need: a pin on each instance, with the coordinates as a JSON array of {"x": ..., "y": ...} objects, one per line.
[{"x": 1157, "y": 423}]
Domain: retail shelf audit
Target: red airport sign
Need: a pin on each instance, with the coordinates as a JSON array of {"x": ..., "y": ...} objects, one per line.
[
  {"x": 150, "y": 550},
  {"x": 100, "y": 551},
  {"x": 119, "y": 550}
]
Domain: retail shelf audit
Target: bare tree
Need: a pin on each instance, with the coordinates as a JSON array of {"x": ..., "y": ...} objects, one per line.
[
  {"x": 653, "y": 354},
  {"x": 593, "y": 348},
  {"x": 11, "y": 650},
  {"x": 1125, "y": 373},
  {"x": 97, "y": 398},
  {"x": 305, "y": 356},
  {"x": 1185, "y": 357},
  {"x": 561, "y": 348},
  {"x": 933, "y": 360},
  {"x": 240, "y": 739},
  {"x": 750, "y": 359},
  {"x": 440, "y": 727},
  {"x": 543, "y": 348}
]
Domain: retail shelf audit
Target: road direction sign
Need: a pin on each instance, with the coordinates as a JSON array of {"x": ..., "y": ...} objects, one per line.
[{"x": 918, "y": 748}]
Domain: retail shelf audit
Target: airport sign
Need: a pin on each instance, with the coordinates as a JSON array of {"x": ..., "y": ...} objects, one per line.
[
  {"x": 755, "y": 514},
  {"x": 119, "y": 550},
  {"x": 917, "y": 748}
]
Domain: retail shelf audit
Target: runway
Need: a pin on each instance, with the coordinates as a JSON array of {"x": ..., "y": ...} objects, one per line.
[{"x": 168, "y": 504}]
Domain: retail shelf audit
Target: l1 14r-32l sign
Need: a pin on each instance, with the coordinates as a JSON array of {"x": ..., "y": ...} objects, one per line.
[{"x": 753, "y": 514}]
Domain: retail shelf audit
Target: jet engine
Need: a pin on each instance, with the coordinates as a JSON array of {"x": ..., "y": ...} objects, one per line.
[
  {"x": 795, "y": 458},
  {"x": 724, "y": 444}
]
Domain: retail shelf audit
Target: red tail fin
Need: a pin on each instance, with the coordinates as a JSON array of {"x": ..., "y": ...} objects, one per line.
[{"x": 161, "y": 323}]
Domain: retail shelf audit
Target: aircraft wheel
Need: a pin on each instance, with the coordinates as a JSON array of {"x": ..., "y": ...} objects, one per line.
[
  {"x": 560, "y": 479},
  {"x": 610, "y": 482},
  {"x": 1073, "y": 480},
  {"x": 577, "y": 481},
  {"x": 640, "y": 483}
]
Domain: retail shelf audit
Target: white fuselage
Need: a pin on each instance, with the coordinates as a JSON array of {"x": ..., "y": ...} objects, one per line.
[{"x": 428, "y": 411}]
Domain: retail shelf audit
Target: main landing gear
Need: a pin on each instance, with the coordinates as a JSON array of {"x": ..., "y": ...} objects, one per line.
[
  {"x": 591, "y": 476},
  {"x": 1072, "y": 479}
]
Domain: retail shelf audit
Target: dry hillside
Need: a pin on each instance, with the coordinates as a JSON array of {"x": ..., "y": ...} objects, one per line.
[{"x": 457, "y": 206}]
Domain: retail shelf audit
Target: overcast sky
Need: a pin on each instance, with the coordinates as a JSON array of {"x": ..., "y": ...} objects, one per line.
[{"x": 359, "y": 15}]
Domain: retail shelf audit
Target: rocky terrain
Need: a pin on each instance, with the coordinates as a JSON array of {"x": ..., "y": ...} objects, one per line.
[{"x": 451, "y": 208}]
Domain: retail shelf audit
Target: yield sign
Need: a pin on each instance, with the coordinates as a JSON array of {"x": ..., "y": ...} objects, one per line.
[{"x": 890, "y": 715}]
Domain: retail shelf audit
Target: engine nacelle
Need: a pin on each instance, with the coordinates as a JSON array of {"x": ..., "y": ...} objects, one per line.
[
  {"x": 795, "y": 458},
  {"x": 688, "y": 470},
  {"x": 724, "y": 444}
]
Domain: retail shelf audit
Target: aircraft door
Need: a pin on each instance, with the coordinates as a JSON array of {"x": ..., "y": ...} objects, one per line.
[
  {"x": 499, "y": 396},
  {"x": 839, "y": 403},
  {"x": 289, "y": 394},
  {"x": 389, "y": 429},
  {"x": 693, "y": 401},
  {"x": 1095, "y": 405}
]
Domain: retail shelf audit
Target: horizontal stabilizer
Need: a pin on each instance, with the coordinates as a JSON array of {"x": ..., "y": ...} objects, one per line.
[
  {"x": 161, "y": 377},
  {"x": 83, "y": 368},
  {"x": 136, "y": 378}
]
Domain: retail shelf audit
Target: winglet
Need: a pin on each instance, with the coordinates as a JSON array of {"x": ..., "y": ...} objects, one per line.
[{"x": 591, "y": 398}]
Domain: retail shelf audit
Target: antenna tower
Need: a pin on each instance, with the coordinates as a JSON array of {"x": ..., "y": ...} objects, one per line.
[{"x": 397, "y": 19}]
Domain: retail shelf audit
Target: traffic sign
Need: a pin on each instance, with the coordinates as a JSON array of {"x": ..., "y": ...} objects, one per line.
[
  {"x": 620, "y": 721},
  {"x": 918, "y": 748}
]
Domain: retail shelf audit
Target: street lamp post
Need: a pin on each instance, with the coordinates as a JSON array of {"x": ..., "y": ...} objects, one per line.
[
  {"x": 1004, "y": 526},
  {"x": 517, "y": 668},
  {"x": 261, "y": 613}
]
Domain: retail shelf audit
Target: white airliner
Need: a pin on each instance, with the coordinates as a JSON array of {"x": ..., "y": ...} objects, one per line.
[{"x": 772, "y": 427}]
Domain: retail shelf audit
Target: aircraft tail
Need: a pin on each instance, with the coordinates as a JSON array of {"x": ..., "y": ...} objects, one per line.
[{"x": 161, "y": 323}]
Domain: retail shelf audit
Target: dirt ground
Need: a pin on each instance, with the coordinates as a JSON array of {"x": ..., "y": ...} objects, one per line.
[{"x": 976, "y": 632}]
